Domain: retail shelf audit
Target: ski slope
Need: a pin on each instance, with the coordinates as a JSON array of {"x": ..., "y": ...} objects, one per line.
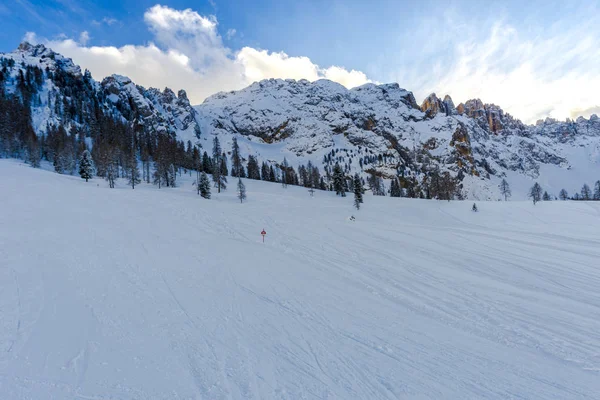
[{"x": 159, "y": 294}]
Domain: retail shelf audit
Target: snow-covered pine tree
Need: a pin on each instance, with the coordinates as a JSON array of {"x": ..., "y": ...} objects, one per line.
[
  {"x": 505, "y": 189},
  {"x": 535, "y": 193},
  {"x": 86, "y": 166},
  {"x": 546, "y": 196},
  {"x": 597, "y": 190},
  {"x": 563, "y": 195},
  {"x": 241, "y": 190},
  {"x": 586, "y": 192},
  {"x": 204, "y": 185},
  {"x": 339, "y": 180},
  {"x": 358, "y": 191}
]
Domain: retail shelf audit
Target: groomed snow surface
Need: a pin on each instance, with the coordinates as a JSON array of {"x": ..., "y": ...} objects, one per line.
[{"x": 160, "y": 294}]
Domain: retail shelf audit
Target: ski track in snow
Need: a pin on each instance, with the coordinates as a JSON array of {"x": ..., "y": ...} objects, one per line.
[{"x": 156, "y": 294}]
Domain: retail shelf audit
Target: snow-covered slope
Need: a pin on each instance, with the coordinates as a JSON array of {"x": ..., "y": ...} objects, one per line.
[{"x": 156, "y": 294}]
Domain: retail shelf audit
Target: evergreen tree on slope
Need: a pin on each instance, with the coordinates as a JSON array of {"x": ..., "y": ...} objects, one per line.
[
  {"x": 86, "y": 166},
  {"x": 241, "y": 189},
  {"x": 204, "y": 185},
  {"x": 358, "y": 191}
]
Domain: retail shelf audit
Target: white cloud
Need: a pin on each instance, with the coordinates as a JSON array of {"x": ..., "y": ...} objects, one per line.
[
  {"x": 106, "y": 20},
  {"x": 260, "y": 64},
  {"x": 30, "y": 37},
  {"x": 188, "y": 53},
  {"x": 84, "y": 37},
  {"x": 230, "y": 33},
  {"x": 530, "y": 76}
]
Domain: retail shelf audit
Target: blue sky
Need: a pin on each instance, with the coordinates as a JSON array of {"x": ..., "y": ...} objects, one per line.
[{"x": 533, "y": 58}]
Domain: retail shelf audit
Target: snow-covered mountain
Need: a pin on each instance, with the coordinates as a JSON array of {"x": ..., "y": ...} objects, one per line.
[
  {"x": 373, "y": 128},
  {"x": 62, "y": 94},
  {"x": 477, "y": 143}
]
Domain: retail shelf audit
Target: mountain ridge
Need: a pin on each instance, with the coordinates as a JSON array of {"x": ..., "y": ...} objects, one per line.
[{"x": 371, "y": 129}]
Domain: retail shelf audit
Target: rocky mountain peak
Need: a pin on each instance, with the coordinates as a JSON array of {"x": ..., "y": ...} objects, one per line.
[
  {"x": 433, "y": 105},
  {"x": 182, "y": 96},
  {"x": 34, "y": 50}
]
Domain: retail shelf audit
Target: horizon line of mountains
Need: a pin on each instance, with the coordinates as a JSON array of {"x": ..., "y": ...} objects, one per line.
[{"x": 371, "y": 128}]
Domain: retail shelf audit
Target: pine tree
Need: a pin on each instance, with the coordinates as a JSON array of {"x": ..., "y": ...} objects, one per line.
[
  {"x": 224, "y": 170},
  {"x": 586, "y": 192},
  {"x": 204, "y": 185},
  {"x": 597, "y": 190},
  {"x": 134, "y": 172},
  {"x": 546, "y": 197},
  {"x": 236, "y": 160},
  {"x": 264, "y": 171},
  {"x": 505, "y": 189},
  {"x": 272, "y": 176},
  {"x": 535, "y": 193},
  {"x": 112, "y": 173},
  {"x": 284, "y": 173},
  {"x": 206, "y": 163},
  {"x": 223, "y": 176},
  {"x": 216, "y": 164},
  {"x": 395, "y": 189},
  {"x": 241, "y": 190},
  {"x": 86, "y": 166},
  {"x": 563, "y": 195},
  {"x": 339, "y": 180},
  {"x": 376, "y": 184},
  {"x": 253, "y": 169},
  {"x": 358, "y": 191}
]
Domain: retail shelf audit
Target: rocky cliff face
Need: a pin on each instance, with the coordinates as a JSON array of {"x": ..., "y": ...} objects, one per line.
[
  {"x": 491, "y": 117},
  {"x": 432, "y": 106}
]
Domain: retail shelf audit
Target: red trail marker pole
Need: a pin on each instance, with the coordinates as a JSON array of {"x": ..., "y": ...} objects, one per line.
[{"x": 263, "y": 233}]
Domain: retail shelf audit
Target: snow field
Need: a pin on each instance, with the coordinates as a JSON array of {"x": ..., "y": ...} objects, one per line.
[{"x": 159, "y": 294}]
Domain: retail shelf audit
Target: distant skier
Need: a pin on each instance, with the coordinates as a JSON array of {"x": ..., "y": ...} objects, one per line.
[{"x": 474, "y": 209}]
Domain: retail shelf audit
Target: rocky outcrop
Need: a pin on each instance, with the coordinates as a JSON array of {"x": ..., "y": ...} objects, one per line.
[
  {"x": 432, "y": 106},
  {"x": 450, "y": 109},
  {"x": 490, "y": 117}
]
